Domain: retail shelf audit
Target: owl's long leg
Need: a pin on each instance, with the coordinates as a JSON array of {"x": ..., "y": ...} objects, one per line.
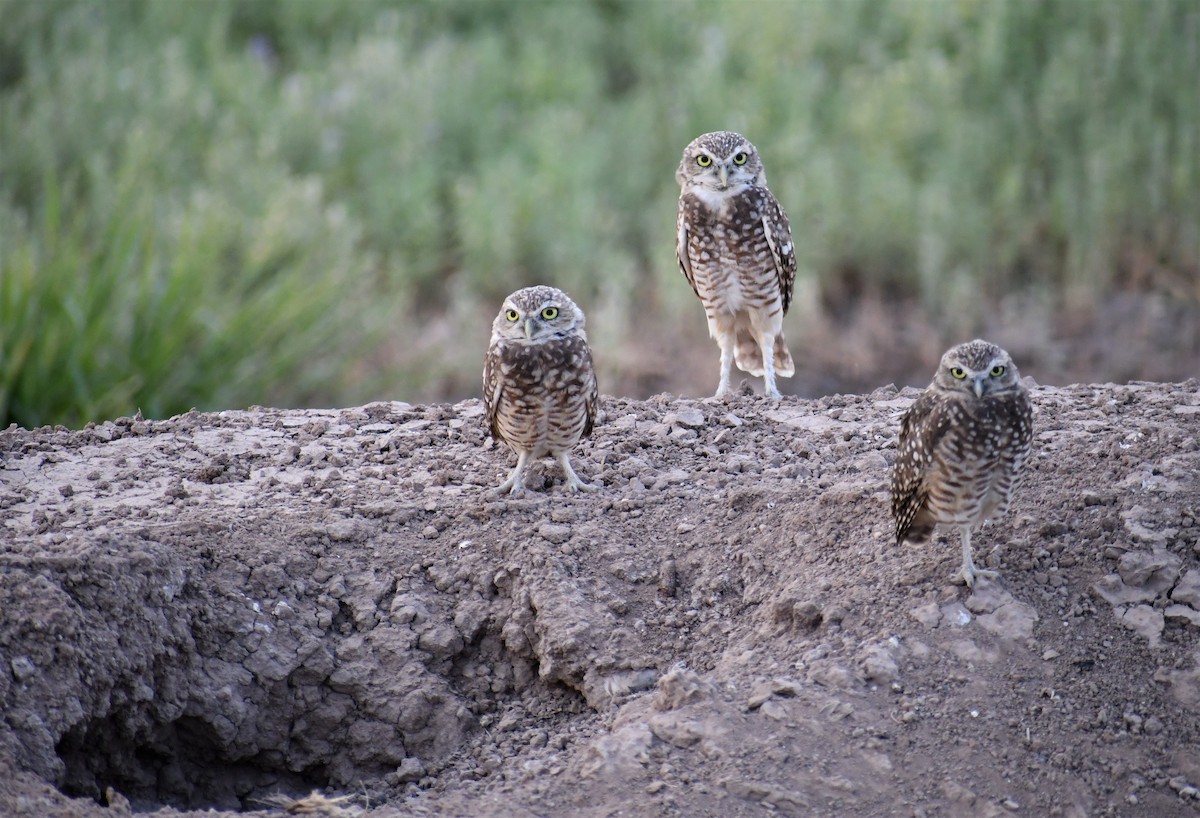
[
  {"x": 766, "y": 342},
  {"x": 727, "y": 341},
  {"x": 515, "y": 483},
  {"x": 573, "y": 481},
  {"x": 969, "y": 571}
]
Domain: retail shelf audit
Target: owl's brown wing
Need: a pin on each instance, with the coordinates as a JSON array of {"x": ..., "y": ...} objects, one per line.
[
  {"x": 921, "y": 429},
  {"x": 779, "y": 237},
  {"x": 681, "y": 245},
  {"x": 591, "y": 392},
  {"x": 493, "y": 386}
]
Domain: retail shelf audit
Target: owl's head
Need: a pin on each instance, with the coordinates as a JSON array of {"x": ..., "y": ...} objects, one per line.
[
  {"x": 536, "y": 314},
  {"x": 977, "y": 367},
  {"x": 722, "y": 161}
]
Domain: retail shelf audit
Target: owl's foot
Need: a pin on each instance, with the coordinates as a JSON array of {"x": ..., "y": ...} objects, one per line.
[
  {"x": 578, "y": 485},
  {"x": 969, "y": 571},
  {"x": 574, "y": 484},
  {"x": 968, "y": 575},
  {"x": 515, "y": 484},
  {"x": 510, "y": 487}
]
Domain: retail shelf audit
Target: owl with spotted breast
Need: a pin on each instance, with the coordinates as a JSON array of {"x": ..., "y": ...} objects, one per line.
[
  {"x": 962, "y": 446},
  {"x": 539, "y": 386},
  {"x": 734, "y": 246}
]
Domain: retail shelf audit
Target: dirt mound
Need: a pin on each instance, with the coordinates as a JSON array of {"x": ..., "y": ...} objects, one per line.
[{"x": 229, "y": 610}]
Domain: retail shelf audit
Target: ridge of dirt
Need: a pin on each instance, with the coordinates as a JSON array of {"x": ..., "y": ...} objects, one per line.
[{"x": 214, "y": 610}]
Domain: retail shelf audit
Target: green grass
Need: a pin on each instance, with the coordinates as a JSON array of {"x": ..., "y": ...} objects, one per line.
[{"x": 222, "y": 203}]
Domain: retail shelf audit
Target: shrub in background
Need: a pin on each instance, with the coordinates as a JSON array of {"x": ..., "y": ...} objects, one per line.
[{"x": 224, "y": 203}]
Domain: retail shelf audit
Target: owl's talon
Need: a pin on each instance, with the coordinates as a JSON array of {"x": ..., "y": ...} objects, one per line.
[
  {"x": 969, "y": 575},
  {"x": 509, "y": 487}
]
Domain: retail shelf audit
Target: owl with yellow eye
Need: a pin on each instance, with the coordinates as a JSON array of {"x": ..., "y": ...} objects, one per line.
[
  {"x": 962, "y": 446},
  {"x": 734, "y": 246},
  {"x": 539, "y": 384}
]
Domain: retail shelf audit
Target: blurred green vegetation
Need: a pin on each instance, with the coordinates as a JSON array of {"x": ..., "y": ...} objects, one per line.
[{"x": 292, "y": 202}]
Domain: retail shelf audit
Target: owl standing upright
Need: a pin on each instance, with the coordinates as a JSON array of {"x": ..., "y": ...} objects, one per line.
[
  {"x": 734, "y": 246},
  {"x": 539, "y": 387},
  {"x": 962, "y": 446}
]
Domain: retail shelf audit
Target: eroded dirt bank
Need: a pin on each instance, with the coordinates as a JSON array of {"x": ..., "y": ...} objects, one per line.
[{"x": 216, "y": 609}]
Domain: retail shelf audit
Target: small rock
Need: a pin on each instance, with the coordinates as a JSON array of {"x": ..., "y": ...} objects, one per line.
[
  {"x": 1144, "y": 620},
  {"x": 929, "y": 615},
  {"x": 668, "y": 578},
  {"x": 347, "y": 531},
  {"x": 787, "y": 688},
  {"x": 1012, "y": 621},
  {"x": 878, "y": 665},
  {"x": 801, "y": 614},
  {"x": 554, "y": 534},
  {"x": 1115, "y": 592},
  {"x": 1052, "y": 529},
  {"x": 671, "y": 478},
  {"x": 410, "y": 769},
  {"x": 1187, "y": 590},
  {"x": 429, "y": 532},
  {"x": 680, "y": 686},
  {"x": 954, "y": 613},
  {"x": 674, "y": 728},
  {"x": 23, "y": 668},
  {"x": 691, "y": 417},
  {"x": 1184, "y": 612},
  {"x": 832, "y": 676},
  {"x": 444, "y": 641},
  {"x": 1155, "y": 571}
]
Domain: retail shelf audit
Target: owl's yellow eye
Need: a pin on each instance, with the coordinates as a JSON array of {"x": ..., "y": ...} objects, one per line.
[
  {"x": 512, "y": 315},
  {"x": 958, "y": 372},
  {"x": 740, "y": 158},
  {"x": 703, "y": 161},
  {"x": 550, "y": 313},
  {"x": 997, "y": 371}
]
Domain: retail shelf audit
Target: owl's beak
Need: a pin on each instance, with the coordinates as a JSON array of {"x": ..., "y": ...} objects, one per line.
[
  {"x": 529, "y": 328},
  {"x": 979, "y": 386},
  {"x": 723, "y": 174}
]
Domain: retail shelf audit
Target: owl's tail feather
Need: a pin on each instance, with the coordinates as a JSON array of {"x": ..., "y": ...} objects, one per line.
[{"x": 748, "y": 356}]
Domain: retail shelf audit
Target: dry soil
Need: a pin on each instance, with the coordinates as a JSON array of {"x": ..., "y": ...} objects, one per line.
[{"x": 232, "y": 610}]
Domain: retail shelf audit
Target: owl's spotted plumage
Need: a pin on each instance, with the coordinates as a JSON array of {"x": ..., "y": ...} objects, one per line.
[
  {"x": 539, "y": 387},
  {"x": 734, "y": 246},
  {"x": 962, "y": 446}
]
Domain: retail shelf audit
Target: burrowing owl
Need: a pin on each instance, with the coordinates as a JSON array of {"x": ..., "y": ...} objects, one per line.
[
  {"x": 962, "y": 445},
  {"x": 539, "y": 386},
  {"x": 734, "y": 246}
]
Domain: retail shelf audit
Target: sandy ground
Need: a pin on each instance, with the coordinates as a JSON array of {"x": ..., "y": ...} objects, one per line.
[{"x": 231, "y": 610}]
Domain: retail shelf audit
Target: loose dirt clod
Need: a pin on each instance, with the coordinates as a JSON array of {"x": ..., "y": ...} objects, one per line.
[{"x": 237, "y": 610}]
